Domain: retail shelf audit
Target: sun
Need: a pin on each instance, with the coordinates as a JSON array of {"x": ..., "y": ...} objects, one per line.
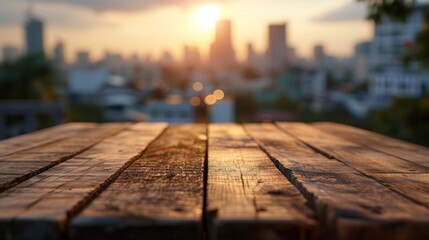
[{"x": 207, "y": 16}]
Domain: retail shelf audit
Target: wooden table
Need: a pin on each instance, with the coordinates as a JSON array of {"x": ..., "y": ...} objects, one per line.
[{"x": 251, "y": 181}]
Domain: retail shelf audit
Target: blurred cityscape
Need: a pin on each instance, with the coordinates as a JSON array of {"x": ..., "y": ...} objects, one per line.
[{"x": 381, "y": 87}]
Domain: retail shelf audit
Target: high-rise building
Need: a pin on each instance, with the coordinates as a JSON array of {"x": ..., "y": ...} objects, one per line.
[
  {"x": 393, "y": 39},
  {"x": 277, "y": 46},
  {"x": 251, "y": 55},
  {"x": 191, "y": 56},
  {"x": 82, "y": 59},
  {"x": 362, "y": 62},
  {"x": 34, "y": 39},
  {"x": 9, "y": 53},
  {"x": 319, "y": 56},
  {"x": 222, "y": 52},
  {"x": 58, "y": 57}
]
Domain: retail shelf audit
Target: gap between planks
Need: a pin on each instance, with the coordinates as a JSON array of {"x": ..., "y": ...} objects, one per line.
[
  {"x": 159, "y": 196},
  {"x": 22, "y": 165},
  {"x": 319, "y": 177},
  {"x": 246, "y": 191},
  {"x": 42, "y": 137},
  {"x": 43, "y": 204},
  {"x": 369, "y": 162}
]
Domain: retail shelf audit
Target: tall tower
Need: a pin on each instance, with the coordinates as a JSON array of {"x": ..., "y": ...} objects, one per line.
[
  {"x": 34, "y": 39},
  {"x": 319, "y": 56},
  {"x": 277, "y": 46},
  {"x": 251, "y": 55},
  {"x": 221, "y": 52},
  {"x": 58, "y": 57}
]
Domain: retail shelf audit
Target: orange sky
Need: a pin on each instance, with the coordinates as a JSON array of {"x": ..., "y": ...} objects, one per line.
[{"x": 169, "y": 27}]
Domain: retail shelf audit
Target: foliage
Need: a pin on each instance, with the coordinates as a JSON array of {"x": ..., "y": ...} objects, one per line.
[
  {"x": 245, "y": 107},
  {"x": 84, "y": 113},
  {"x": 29, "y": 77},
  {"x": 395, "y": 9},
  {"x": 407, "y": 118},
  {"x": 422, "y": 42},
  {"x": 284, "y": 103}
]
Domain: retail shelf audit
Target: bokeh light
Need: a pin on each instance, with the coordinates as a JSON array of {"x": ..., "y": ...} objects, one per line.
[
  {"x": 210, "y": 99},
  {"x": 198, "y": 86},
  {"x": 195, "y": 101},
  {"x": 219, "y": 94}
]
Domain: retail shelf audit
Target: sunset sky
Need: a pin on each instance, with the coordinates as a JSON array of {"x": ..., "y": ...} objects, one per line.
[{"x": 153, "y": 26}]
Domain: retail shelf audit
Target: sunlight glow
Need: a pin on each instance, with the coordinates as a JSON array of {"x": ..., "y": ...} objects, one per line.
[{"x": 207, "y": 16}]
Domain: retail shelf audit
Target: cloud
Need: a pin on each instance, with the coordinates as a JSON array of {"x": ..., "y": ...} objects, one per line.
[
  {"x": 65, "y": 12},
  {"x": 351, "y": 11},
  {"x": 13, "y": 13},
  {"x": 124, "y": 5}
]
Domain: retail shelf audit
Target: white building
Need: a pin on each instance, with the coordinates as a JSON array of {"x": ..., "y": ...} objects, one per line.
[
  {"x": 162, "y": 111},
  {"x": 313, "y": 89},
  {"x": 398, "y": 84},
  {"x": 87, "y": 81},
  {"x": 392, "y": 41},
  {"x": 392, "y": 38},
  {"x": 362, "y": 63}
]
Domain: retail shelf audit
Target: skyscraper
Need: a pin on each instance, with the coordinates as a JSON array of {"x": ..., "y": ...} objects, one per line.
[
  {"x": 58, "y": 57},
  {"x": 34, "y": 41},
  {"x": 191, "y": 56},
  {"x": 222, "y": 53},
  {"x": 251, "y": 55},
  {"x": 319, "y": 56},
  {"x": 277, "y": 46},
  {"x": 82, "y": 59}
]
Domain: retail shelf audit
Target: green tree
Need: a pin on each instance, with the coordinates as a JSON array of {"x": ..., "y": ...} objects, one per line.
[
  {"x": 400, "y": 10},
  {"x": 422, "y": 42},
  {"x": 29, "y": 77},
  {"x": 406, "y": 118},
  {"x": 395, "y": 9}
]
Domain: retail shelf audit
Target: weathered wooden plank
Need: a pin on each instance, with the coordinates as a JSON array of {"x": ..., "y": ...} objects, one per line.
[
  {"x": 41, "y": 137},
  {"x": 247, "y": 197},
  {"x": 355, "y": 155},
  {"x": 160, "y": 196},
  {"x": 348, "y": 204},
  {"x": 414, "y": 185},
  {"x": 366, "y": 160},
  {"x": 42, "y": 205},
  {"x": 17, "y": 167},
  {"x": 407, "y": 151}
]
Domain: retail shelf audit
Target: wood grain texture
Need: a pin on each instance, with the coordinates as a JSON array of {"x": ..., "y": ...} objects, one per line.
[
  {"x": 41, "y": 137},
  {"x": 366, "y": 160},
  {"x": 17, "y": 167},
  {"x": 42, "y": 205},
  {"x": 414, "y": 185},
  {"x": 353, "y": 154},
  {"x": 348, "y": 204},
  {"x": 407, "y": 151},
  {"x": 160, "y": 196},
  {"x": 247, "y": 197}
]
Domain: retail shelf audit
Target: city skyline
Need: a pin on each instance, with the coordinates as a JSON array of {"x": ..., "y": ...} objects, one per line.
[
  {"x": 135, "y": 31},
  {"x": 337, "y": 24}
]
